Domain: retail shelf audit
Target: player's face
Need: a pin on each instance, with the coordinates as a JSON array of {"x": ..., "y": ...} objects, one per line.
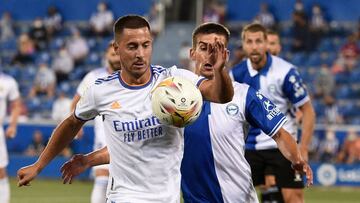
[
  {"x": 202, "y": 53},
  {"x": 255, "y": 46},
  {"x": 113, "y": 59},
  {"x": 134, "y": 49},
  {"x": 273, "y": 44}
]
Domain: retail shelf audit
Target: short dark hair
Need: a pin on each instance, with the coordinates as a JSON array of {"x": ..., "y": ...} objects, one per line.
[
  {"x": 253, "y": 27},
  {"x": 272, "y": 32},
  {"x": 210, "y": 28},
  {"x": 130, "y": 21}
]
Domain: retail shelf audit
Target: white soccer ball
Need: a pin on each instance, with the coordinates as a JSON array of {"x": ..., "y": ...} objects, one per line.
[{"x": 176, "y": 101}]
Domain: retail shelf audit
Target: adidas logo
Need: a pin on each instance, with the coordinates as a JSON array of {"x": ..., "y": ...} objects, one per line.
[{"x": 115, "y": 105}]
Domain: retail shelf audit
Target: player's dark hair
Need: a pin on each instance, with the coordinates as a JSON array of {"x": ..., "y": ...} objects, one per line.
[
  {"x": 210, "y": 28},
  {"x": 253, "y": 27},
  {"x": 131, "y": 22},
  {"x": 272, "y": 32}
]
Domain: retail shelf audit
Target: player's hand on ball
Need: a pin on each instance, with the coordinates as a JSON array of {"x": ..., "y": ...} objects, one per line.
[
  {"x": 72, "y": 168},
  {"x": 27, "y": 174},
  {"x": 304, "y": 168}
]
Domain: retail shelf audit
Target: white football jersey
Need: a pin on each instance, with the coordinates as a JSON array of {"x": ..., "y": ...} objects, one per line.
[
  {"x": 214, "y": 168},
  {"x": 281, "y": 83},
  {"x": 145, "y": 155},
  {"x": 9, "y": 91},
  {"x": 86, "y": 82}
]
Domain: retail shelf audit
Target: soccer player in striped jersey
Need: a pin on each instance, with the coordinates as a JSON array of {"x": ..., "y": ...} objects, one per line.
[
  {"x": 214, "y": 168},
  {"x": 8, "y": 92},
  {"x": 101, "y": 173},
  {"x": 279, "y": 81},
  {"x": 145, "y": 154}
]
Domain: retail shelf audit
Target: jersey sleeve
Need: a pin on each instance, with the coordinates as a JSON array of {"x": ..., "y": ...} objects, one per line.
[
  {"x": 261, "y": 113},
  {"x": 294, "y": 88},
  {"x": 195, "y": 79},
  {"x": 13, "y": 90},
  {"x": 86, "y": 107},
  {"x": 85, "y": 83}
]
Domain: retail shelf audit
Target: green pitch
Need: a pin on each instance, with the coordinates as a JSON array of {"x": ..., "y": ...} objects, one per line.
[{"x": 52, "y": 191}]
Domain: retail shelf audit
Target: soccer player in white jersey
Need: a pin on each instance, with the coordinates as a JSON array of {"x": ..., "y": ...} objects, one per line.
[
  {"x": 101, "y": 173},
  {"x": 279, "y": 81},
  {"x": 145, "y": 155},
  {"x": 214, "y": 168},
  {"x": 8, "y": 92}
]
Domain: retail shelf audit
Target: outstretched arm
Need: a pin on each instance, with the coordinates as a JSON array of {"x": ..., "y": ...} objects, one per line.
[
  {"x": 219, "y": 89},
  {"x": 61, "y": 137},
  {"x": 79, "y": 163},
  {"x": 290, "y": 150}
]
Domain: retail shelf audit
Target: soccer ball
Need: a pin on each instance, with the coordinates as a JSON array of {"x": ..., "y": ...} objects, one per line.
[{"x": 176, "y": 101}]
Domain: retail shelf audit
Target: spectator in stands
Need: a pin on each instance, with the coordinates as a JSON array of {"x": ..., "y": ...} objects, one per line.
[
  {"x": 45, "y": 82},
  {"x": 350, "y": 151},
  {"x": 63, "y": 64},
  {"x": 214, "y": 11},
  {"x": 332, "y": 115},
  {"x": 39, "y": 34},
  {"x": 25, "y": 52},
  {"x": 313, "y": 148},
  {"x": 155, "y": 19},
  {"x": 265, "y": 17},
  {"x": 184, "y": 59},
  {"x": 101, "y": 22},
  {"x": 77, "y": 47},
  {"x": 6, "y": 27},
  {"x": 300, "y": 30},
  {"x": 329, "y": 147},
  {"x": 37, "y": 145},
  {"x": 61, "y": 107},
  {"x": 348, "y": 57},
  {"x": 318, "y": 25},
  {"x": 53, "y": 21}
]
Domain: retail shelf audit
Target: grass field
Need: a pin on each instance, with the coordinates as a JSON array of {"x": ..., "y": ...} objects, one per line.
[{"x": 51, "y": 191}]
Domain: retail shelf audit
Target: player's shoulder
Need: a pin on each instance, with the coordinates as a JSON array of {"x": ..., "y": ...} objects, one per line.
[
  {"x": 281, "y": 65},
  {"x": 240, "y": 87},
  {"x": 108, "y": 79},
  {"x": 7, "y": 78},
  {"x": 240, "y": 66}
]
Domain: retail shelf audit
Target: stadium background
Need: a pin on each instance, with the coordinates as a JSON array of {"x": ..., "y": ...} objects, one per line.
[{"x": 337, "y": 179}]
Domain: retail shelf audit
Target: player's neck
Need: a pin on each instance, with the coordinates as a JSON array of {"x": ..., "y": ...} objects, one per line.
[
  {"x": 261, "y": 65},
  {"x": 132, "y": 80}
]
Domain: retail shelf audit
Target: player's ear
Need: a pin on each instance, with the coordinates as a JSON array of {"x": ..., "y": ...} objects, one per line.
[
  {"x": 192, "y": 54},
  {"x": 116, "y": 47}
]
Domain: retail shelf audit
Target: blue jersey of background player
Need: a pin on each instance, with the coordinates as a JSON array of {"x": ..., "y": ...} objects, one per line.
[
  {"x": 279, "y": 81},
  {"x": 214, "y": 168}
]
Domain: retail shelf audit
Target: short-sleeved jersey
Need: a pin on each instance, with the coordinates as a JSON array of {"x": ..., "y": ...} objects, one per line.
[
  {"x": 86, "y": 82},
  {"x": 214, "y": 168},
  {"x": 9, "y": 91},
  {"x": 279, "y": 81},
  {"x": 145, "y": 155}
]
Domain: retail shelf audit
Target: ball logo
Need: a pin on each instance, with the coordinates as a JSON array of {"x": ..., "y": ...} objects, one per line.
[
  {"x": 232, "y": 109},
  {"x": 183, "y": 100},
  {"x": 327, "y": 174}
]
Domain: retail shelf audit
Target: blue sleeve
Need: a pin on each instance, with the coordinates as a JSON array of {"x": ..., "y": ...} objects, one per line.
[
  {"x": 294, "y": 88},
  {"x": 261, "y": 113}
]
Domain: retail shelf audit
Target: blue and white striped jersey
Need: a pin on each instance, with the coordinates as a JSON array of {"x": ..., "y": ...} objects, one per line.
[
  {"x": 214, "y": 168},
  {"x": 145, "y": 155},
  {"x": 281, "y": 83}
]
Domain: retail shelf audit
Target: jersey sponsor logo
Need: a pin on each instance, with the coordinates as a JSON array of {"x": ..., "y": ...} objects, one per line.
[
  {"x": 271, "y": 109},
  {"x": 232, "y": 109},
  {"x": 138, "y": 129},
  {"x": 115, "y": 105}
]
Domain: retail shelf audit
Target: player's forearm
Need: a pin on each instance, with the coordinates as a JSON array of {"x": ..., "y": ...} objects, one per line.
[
  {"x": 15, "y": 112},
  {"x": 61, "y": 137},
  {"x": 221, "y": 87},
  {"x": 308, "y": 123},
  {"x": 98, "y": 157},
  {"x": 287, "y": 146}
]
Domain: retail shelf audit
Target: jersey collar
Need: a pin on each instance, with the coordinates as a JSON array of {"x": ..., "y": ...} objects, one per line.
[
  {"x": 264, "y": 70},
  {"x": 135, "y": 87}
]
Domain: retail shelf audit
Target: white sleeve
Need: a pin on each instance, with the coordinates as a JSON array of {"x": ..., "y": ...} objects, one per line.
[
  {"x": 195, "y": 79},
  {"x": 13, "y": 90},
  {"x": 86, "y": 107},
  {"x": 85, "y": 83}
]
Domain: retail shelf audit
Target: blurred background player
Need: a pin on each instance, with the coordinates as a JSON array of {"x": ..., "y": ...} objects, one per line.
[
  {"x": 279, "y": 81},
  {"x": 112, "y": 64},
  {"x": 8, "y": 92}
]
